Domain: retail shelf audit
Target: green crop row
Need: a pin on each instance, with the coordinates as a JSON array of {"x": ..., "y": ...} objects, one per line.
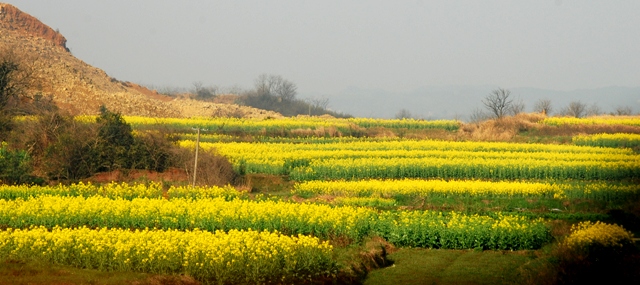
[
  {"x": 602, "y": 191},
  {"x": 381, "y": 168},
  {"x": 608, "y": 140},
  {"x": 290, "y": 218},
  {"x": 118, "y": 190}
]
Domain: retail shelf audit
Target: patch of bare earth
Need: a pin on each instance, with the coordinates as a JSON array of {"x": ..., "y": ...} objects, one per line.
[{"x": 170, "y": 175}]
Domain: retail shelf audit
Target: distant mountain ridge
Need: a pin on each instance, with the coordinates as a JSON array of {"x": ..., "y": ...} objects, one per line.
[{"x": 459, "y": 101}]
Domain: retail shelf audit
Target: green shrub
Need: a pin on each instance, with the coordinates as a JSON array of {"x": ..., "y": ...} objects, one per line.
[{"x": 15, "y": 166}]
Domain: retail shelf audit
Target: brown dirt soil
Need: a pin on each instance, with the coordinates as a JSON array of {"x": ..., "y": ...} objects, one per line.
[
  {"x": 28, "y": 25},
  {"x": 170, "y": 175},
  {"x": 263, "y": 183},
  {"x": 320, "y": 198},
  {"x": 225, "y": 99},
  {"x": 168, "y": 280}
]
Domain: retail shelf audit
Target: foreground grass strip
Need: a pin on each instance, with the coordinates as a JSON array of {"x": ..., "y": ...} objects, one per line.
[
  {"x": 414, "y": 266},
  {"x": 219, "y": 257},
  {"x": 418, "y": 228}
]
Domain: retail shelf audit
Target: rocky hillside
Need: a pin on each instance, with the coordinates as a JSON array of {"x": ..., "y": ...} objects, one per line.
[{"x": 80, "y": 88}]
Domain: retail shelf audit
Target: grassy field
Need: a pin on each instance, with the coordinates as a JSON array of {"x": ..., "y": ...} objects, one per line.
[{"x": 438, "y": 266}]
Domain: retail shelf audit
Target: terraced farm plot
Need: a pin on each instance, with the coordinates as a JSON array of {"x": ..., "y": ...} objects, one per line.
[{"x": 429, "y": 159}]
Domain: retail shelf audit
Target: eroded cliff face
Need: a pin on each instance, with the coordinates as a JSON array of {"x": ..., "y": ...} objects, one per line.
[
  {"x": 80, "y": 88},
  {"x": 12, "y": 18}
]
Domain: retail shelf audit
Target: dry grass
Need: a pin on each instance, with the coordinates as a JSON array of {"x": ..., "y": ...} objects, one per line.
[
  {"x": 213, "y": 169},
  {"x": 525, "y": 126},
  {"x": 502, "y": 129},
  {"x": 318, "y": 132}
]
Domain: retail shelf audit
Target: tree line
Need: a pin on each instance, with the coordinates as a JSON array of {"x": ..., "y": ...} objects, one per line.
[{"x": 500, "y": 103}]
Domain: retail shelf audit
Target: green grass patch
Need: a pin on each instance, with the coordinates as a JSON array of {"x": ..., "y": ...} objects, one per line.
[{"x": 435, "y": 266}]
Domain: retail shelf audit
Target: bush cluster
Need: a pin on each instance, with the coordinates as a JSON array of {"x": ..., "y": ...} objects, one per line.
[
  {"x": 15, "y": 166},
  {"x": 58, "y": 147},
  {"x": 75, "y": 150},
  {"x": 597, "y": 253}
]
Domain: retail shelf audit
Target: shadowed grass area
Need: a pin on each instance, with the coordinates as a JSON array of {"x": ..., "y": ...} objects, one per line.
[
  {"x": 34, "y": 273},
  {"x": 435, "y": 266}
]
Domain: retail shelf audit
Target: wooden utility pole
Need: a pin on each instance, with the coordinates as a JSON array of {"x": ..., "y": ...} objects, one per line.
[{"x": 195, "y": 165}]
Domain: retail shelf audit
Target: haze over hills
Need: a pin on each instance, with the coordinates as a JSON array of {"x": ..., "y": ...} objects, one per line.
[
  {"x": 80, "y": 88},
  {"x": 449, "y": 102}
]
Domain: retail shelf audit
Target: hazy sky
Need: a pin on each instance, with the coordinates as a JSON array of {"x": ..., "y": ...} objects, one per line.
[{"x": 326, "y": 46}]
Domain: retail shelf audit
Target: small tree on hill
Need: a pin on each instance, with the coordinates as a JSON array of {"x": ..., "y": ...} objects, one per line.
[
  {"x": 623, "y": 111},
  {"x": 115, "y": 139},
  {"x": 15, "y": 77},
  {"x": 498, "y": 102},
  {"x": 204, "y": 93},
  {"x": 517, "y": 107},
  {"x": 404, "y": 114},
  {"x": 593, "y": 110},
  {"x": 276, "y": 85},
  {"x": 575, "y": 109},
  {"x": 543, "y": 106},
  {"x": 8, "y": 89}
]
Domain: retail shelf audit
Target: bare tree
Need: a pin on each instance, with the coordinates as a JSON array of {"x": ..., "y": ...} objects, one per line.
[
  {"x": 623, "y": 111},
  {"x": 498, "y": 102},
  {"x": 593, "y": 110},
  {"x": 317, "y": 105},
  {"x": 7, "y": 84},
  {"x": 478, "y": 115},
  {"x": 404, "y": 114},
  {"x": 275, "y": 85},
  {"x": 235, "y": 89},
  {"x": 16, "y": 77},
  {"x": 202, "y": 92},
  {"x": 575, "y": 109},
  {"x": 517, "y": 107},
  {"x": 320, "y": 103},
  {"x": 543, "y": 106},
  {"x": 197, "y": 87}
]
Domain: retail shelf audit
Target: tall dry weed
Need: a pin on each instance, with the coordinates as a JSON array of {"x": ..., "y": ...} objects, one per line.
[{"x": 501, "y": 129}]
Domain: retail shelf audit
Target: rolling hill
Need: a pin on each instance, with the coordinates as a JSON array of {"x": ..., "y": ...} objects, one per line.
[{"x": 80, "y": 88}]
